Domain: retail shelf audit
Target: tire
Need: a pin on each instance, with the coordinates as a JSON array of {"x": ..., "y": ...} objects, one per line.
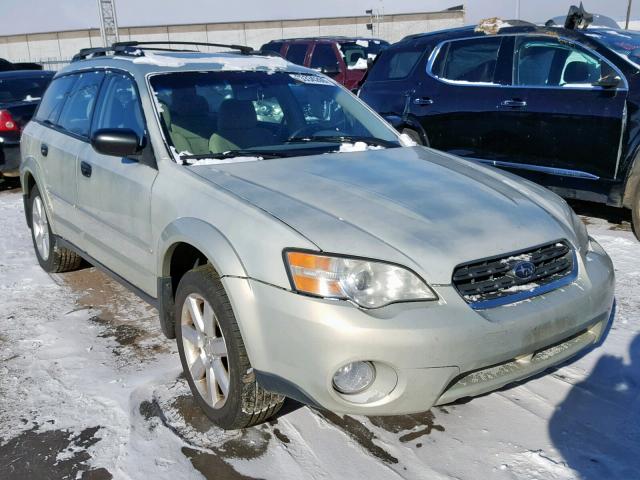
[
  {"x": 212, "y": 354},
  {"x": 415, "y": 136},
  {"x": 51, "y": 257},
  {"x": 635, "y": 213}
]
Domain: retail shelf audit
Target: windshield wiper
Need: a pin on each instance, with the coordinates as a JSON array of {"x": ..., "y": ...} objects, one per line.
[
  {"x": 265, "y": 154},
  {"x": 343, "y": 139}
]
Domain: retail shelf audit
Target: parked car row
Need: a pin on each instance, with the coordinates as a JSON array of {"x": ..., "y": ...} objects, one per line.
[{"x": 297, "y": 245}]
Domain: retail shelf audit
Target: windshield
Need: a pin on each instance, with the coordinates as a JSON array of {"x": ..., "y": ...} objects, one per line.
[
  {"x": 356, "y": 53},
  {"x": 625, "y": 43},
  {"x": 261, "y": 114},
  {"x": 23, "y": 89}
]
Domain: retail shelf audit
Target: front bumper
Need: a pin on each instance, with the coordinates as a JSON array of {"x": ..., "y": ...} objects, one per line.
[
  {"x": 10, "y": 158},
  {"x": 425, "y": 353}
]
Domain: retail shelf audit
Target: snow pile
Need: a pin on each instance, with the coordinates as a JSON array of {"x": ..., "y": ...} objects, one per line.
[
  {"x": 218, "y": 161},
  {"x": 358, "y": 147},
  {"x": 492, "y": 25},
  {"x": 221, "y": 61},
  {"x": 361, "y": 64}
]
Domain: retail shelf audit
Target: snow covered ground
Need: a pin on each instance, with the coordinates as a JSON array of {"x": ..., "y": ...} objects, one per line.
[{"x": 89, "y": 388}]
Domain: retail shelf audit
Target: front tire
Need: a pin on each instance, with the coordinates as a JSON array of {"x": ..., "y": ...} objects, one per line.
[
  {"x": 213, "y": 355},
  {"x": 415, "y": 136},
  {"x": 51, "y": 257}
]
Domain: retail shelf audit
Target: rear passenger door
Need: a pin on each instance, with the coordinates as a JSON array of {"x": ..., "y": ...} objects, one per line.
[
  {"x": 114, "y": 193},
  {"x": 463, "y": 110},
  {"x": 575, "y": 126},
  {"x": 67, "y": 112}
]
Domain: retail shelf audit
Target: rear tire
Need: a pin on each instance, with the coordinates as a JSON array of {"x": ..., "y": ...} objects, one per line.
[
  {"x": 51, "y": 257},
  {"x": 213, "y": 355}
]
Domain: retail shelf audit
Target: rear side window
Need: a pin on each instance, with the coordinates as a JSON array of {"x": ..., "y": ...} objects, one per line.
[
  {"x": 468, "y": 61},
  {"x": 119, "y": 106},
  {"x": 272, "y": 47},
  {"x": 296, "y": 53},
  {"x": 395, "y": 64},
  {"x": 324, "y": 56},
  {"x": 54, "y": 98},
  {"x": 78, "y": 109}
]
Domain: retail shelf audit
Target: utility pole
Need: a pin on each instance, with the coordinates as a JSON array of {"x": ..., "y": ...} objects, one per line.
[
  {"x": 517, "y": 9},
  {"x": 108, "y": 22},
  {"x": 626, "y": 25}
]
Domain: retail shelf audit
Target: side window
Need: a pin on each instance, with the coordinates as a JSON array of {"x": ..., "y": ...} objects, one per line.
[
  {"x": 76, "y": 113},
  {"x": 468, "y": 61},
  {"x": 545, "y": 62},
  {"x": 272, "y": 47},
  {"x": 296, "y": 53},
  {"x": 54, "y": 98},
  {"x": 119, "y": 106},
  {"x": 395, "y": 64},
  {"x": 324, "y": 56}
]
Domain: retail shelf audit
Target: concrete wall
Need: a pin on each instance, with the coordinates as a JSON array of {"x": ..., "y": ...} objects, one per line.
[{"x": 58, "y": 47}]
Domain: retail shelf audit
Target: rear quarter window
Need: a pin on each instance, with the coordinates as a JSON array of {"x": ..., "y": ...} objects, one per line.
[
  {"x": 395, "y": 64},
  {"x": 468, "y": 61},
  {"x": 54, "y": 98}
]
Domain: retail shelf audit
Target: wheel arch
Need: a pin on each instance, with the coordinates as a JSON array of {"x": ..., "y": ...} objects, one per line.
[
  {"x": 186, "y": 243},
  {"x": 401, "y": 122}
]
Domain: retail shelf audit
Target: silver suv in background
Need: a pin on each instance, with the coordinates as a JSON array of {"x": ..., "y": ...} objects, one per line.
[{"x": 295, "y": 244}]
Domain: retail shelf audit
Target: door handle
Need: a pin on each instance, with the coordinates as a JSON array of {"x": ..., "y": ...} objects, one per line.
[
  {"x": 85, "y": 168},
  {"x": 513, "y": 103},
  {"x": 44, "y": 149},
  {"x": 422, "y": 101}
]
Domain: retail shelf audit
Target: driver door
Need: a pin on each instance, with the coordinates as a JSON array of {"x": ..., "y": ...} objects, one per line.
[{"x": 574, "y": 126}]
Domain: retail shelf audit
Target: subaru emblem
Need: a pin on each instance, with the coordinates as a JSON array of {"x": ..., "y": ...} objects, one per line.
[{"x": 523, "y": 270}]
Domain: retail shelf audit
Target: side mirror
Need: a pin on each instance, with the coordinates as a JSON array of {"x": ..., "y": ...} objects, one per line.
[
  {"x": 330, "y": 70},
  {"x": 609, "y": 81},
  {"x": 117, "y": 142}
]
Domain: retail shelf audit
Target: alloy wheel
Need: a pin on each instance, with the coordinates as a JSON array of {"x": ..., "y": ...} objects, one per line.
[
  {"x": 40, "y": 226},
  {"x": 205, "y": 350}
]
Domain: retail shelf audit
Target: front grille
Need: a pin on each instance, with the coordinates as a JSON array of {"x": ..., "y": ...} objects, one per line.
[{"x": 485, "y": 282}]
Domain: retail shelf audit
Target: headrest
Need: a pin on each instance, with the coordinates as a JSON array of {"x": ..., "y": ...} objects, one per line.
[
  {"x": 165, "y": 114},
  {"x": 576, "y": 72},
  {"x": 187, "y": 102},
  {"x": 236, "y": 114}
]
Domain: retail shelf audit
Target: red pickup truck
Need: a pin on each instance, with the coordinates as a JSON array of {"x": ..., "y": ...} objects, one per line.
[{"x": 346, "y": 59}]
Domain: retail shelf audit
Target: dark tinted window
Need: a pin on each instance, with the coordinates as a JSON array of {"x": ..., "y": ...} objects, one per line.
[
  {"x": 119, "y": 106},
  {"x": 323, "y": 56},
  {"x": 396, "y": 64},
  {"x": 272, "y": 47},
  {"x": 296, "y": 53},
  {"x": 54, "y": 98},
  {"x": 19, "y": 89},
  {"x": 468, "y": 60},
  {"x": 546, "y": 62},
  {"x": 77, "y": 110}
]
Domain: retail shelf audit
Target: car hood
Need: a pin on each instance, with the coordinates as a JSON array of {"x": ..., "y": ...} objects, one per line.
[{"x": 413, "y": 206}]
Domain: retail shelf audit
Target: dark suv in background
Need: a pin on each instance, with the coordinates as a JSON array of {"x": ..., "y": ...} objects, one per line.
[
  {"x": 345, "y": 59},
  {"x": 558, "y": 106}
]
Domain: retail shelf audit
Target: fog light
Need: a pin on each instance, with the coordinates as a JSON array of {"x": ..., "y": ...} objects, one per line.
[{"x": 354, "y": 377}]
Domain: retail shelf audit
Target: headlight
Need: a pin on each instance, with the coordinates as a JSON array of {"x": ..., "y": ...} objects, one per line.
[
  {"x": 581, "y": 232},
  {"x": 368, "y": 283}
]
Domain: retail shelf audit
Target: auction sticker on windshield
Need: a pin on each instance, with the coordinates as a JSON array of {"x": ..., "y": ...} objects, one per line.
[{"x": 311, "y": 79}]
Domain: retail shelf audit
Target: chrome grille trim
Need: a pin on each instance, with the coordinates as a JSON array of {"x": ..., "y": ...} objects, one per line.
[{"x": 488, "y": 283}]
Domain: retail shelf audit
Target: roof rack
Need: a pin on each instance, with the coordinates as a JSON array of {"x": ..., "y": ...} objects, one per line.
[{"x": 135, "y": 48}]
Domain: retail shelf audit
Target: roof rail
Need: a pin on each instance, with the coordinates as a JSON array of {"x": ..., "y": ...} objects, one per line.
[
  {"x": 134, "y": 48},
  {"x": 244, "y": 49}
]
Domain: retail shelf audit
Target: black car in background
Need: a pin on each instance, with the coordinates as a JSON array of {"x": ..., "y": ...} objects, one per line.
[
  {"x": 20, "y": 93},
  {"x": 558, "y": 106}
]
